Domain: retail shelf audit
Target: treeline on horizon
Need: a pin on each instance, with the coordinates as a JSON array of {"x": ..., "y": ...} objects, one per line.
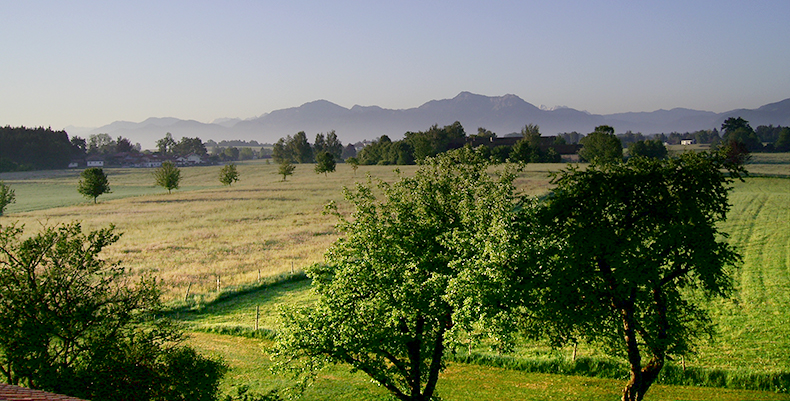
[{"x": 41, "y": 148}]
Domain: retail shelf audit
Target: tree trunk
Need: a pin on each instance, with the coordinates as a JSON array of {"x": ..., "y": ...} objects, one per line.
[{"x": 632, "y": 388}]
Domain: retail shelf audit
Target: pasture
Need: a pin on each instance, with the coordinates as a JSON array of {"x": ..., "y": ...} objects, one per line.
[{"x": 206, "y": 237}]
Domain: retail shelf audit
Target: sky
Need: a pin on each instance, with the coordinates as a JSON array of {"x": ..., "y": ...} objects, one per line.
[{"x": 89, "y": 63}]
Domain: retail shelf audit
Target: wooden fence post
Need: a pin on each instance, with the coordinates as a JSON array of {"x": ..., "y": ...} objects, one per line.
[{"x": 257, "y": 315}]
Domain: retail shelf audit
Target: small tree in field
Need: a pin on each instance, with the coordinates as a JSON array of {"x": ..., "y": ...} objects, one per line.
[
  {"x": 168, "y": 176},
  {"x": 286, "y": 169},
  {"x": 228, "y": 174},
  {"x": 93, "y": 183},
  {"x": 354, "y": 163},
  {"x": 6, "y": 196},
  {"x": 324, "y": 163},
  {"x": 637, "y": 244}
]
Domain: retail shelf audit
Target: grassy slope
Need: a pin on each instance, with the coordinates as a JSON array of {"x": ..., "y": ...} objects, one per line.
[{"x": 755, "y": 322}]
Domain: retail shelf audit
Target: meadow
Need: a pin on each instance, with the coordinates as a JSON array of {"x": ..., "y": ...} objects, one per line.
[{"x": 210, "y": 245}]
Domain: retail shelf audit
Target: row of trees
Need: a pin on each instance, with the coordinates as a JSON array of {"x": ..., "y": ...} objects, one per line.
[
  {"x": 616, "y": 255},
  {"x": 94, "y": 182},
  {"x": 34, "y": 149},
  {"x": 167, "y": 146},
  {"x": 414, "y": 147},
  {"x": 297, "y": 149}
]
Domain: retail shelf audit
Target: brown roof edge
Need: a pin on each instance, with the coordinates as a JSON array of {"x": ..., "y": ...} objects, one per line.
[{"x": 15, "y": 393}]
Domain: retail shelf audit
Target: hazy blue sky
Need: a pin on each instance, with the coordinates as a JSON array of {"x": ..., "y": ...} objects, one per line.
[{"x": 91, "y": 63}]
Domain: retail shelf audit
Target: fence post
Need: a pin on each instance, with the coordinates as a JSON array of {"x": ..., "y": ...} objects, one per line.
[
  {"x": 186, "y": 296},
  {"x": 257, "y": 315}
]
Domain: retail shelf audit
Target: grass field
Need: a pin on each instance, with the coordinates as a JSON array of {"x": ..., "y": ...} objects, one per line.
[{"x": 262, "y": 226}]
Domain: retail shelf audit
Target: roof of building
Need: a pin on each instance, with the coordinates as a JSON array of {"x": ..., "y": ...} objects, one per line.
[{"x": 16, "y": 393}]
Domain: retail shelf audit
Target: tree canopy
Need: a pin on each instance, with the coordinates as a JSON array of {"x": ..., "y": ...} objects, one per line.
[
  {"x": 74, "y": 324},
  {"x": 635, "y": 243},
  {"x": 386, "y": 297},
  {"x": 648, "y": 148},
  {"x": 601, "y": 146},
  {"x": 34, "y": 148}
]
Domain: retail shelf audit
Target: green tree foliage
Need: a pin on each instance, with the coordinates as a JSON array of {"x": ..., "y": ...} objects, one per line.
[
  {"x": 93, "y": 183},
  {"x": 167, "y": 176},
  {"x": 324, "y": 162},
  {"x": 528, "y": 148},
  {"x": 286, "y": 169},
  {"x": 637, "y": 244},
  {"x": 166, "y": 145},
  {"x": 333, "y": 145},
  {"x": 300, "y": 149},
  {"x": 648, "y": 148},
  {"x": 435, "y": 140},
  {"x": 246, "y": 154},
  {"x": 74, "y": 324},
  {"x": 281, "y": 152},
  {"x": 387, "y": 295},
  {"x": 782, "y": 143},
  {"x": 7, "y": 196},
  {"x": 484, "y": 133},
  {"x": 228, "y": 174},
  {"x": 739, "y": 130},
  {"x": 601, "y": 146},
  {"x": 79, "y": 147},
  {"x": 354, "y": 163},
  {"x": 187, "y": 146},
  {"x": 34, "y": 149},
  {"x": 385, "y": 152}
]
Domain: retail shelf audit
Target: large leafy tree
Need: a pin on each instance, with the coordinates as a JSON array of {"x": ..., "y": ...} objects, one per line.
[
  {"x": 74, "y": 324},
  {"x": 93, "y": 183},
  {"x": 387, "y": 298},
  {"x": 601, "y": 146},
  {"x": 738, "y": 130},
  {"x": 637, "y": 243}
]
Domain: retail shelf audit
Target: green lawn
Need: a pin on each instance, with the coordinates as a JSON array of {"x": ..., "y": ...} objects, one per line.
[{"x": 250, "y": 362}]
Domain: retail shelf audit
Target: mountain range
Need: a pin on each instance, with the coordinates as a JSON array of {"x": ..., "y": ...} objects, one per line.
[{"x": 500, "y": 114}]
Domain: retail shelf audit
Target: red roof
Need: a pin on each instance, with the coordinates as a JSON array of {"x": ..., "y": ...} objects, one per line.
[{"x": 16, "y": 393}]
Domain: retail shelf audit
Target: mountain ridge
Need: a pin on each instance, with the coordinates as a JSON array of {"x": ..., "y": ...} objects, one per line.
[{"x": 501, "y": 114}]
